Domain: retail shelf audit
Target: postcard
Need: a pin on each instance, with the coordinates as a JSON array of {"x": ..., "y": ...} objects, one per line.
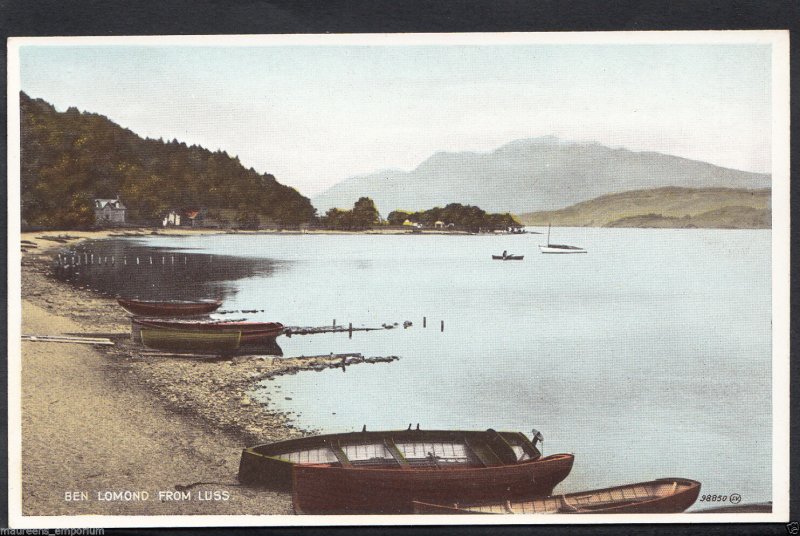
[{"x": 486, "y": 278}]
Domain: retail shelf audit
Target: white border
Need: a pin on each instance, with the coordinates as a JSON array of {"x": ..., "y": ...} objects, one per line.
[{"x": 778, "y": 39}]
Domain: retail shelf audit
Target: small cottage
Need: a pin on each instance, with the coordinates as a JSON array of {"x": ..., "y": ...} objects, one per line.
[{"x": 109, "y": 212}]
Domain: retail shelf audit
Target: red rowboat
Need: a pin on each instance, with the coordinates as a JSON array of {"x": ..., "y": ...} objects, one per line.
[
  {"x": 384, "y": 471},
  {"x": 662, "y": 496},
  {"x": 324, "y": 489},
  {"x": 169, "y": 308},
  {"x": 252, "y": 332},
  {"x": 270, "y": 465}
]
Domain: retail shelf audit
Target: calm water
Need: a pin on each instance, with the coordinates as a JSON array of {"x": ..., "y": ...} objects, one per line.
[{"x": 648, "y": 357}]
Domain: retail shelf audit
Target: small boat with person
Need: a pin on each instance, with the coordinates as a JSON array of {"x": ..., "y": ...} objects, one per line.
[
  {"x": 508, "y": 257},
  {"x": 558, "y": 248},
  {"x": 662, "y": 496},
  {"x": 169, "y": 308}
]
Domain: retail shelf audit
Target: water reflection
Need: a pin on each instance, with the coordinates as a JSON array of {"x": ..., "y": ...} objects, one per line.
[{"x": 130, "y": 269}]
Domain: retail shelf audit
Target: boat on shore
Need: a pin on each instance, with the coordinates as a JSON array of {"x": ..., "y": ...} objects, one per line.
[
  {"x": 384, "y": 471},
  {"x": 252, "y": 332},
  {"x": 169, "y": 308},
  {"x": 270, "y": 465},
  {"x": 662, "y": 496},
  {"x": 559, "y": 248},
  {"x": 380, "y": 489},
  {"x": 184, "y": 340}
]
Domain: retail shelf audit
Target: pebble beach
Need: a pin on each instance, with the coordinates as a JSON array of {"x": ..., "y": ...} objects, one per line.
[{"x": 101, "y": 421}]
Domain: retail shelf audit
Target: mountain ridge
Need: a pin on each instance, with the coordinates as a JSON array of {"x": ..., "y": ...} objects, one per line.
[{"x": 529, "y": 175}]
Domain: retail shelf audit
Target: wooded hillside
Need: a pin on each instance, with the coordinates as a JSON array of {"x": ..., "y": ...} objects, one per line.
[{"x": 69, "y": 158}]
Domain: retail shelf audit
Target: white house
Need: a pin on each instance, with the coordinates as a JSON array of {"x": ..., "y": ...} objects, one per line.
[
  {"x": 109, "y": 212},
  {"x": 172, "y": 219}
]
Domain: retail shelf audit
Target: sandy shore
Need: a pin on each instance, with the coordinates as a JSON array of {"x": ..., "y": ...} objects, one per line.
[{"x": 96, "y": 419}]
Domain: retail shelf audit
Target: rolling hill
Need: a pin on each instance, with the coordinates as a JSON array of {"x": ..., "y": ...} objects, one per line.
[{"x": 723, "y": 208}]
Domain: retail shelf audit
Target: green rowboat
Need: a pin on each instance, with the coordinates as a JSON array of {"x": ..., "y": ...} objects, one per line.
[{"x": 191, "y": 340}]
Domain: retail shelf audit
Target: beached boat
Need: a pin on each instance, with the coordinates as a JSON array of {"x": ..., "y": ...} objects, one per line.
[
  {"x": 508, "y": 257},
  {"x": 559, "y": 248},
  {"x": 662, "y": 496},
  {"x": 185, "y": 340},
  {"x": 382, "y": 472},
  {"x": 271, "y": 464},
  {"x": 168, "y": 308},
  {"x": 327, "y": 489},
  {"x": 252, "y": 332}
]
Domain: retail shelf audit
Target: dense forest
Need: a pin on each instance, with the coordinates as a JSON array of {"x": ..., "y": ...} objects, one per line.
[{"x": 69, "y": 158}]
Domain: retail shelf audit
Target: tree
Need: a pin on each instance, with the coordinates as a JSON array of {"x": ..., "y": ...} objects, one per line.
[
  {"x": 365, "y": 215},
  {"x": 397, "y": 217}
]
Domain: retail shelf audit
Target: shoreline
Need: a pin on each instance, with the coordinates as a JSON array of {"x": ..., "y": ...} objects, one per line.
[{"x": 113, "y": 407}]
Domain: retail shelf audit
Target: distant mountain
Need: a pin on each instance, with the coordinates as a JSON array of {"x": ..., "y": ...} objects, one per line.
[
  {"x": 531, "y": 175},
  {"x": 69, "y": 158},
  {"x": 722, "y": 208}
]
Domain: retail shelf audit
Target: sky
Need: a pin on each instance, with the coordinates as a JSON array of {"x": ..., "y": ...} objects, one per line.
[{"x": 313, "y": 115}]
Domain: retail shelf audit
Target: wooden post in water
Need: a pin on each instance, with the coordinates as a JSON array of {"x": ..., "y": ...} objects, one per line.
[
  {"x": 125, "y": 261},
  {"x": 137, "y": 260},
  {"x": 163, "y": 260},
  {"x": 172, "y": 259},
  {"x": 151, "y": 259},
  {"x": 424, "y": 322},
  {"x": 91, "y": 259},
  {"x": 85, "y": 257},
  {"x": 442, "y": 325},
  {"x": 350, "y": 331},
  {"x": 334, "y": 322}
]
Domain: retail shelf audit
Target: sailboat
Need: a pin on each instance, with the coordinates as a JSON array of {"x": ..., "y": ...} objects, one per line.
[{"x": 559, "y": 248}]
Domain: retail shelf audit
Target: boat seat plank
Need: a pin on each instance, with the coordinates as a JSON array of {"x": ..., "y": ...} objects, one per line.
[
  {"x": 340, "y": 455},
  {"x": 394, "y": 451},
  {"x": 483, "y": 453}
]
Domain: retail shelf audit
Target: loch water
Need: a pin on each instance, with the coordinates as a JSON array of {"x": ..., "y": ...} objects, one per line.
[{"x": 647, "y": 357}]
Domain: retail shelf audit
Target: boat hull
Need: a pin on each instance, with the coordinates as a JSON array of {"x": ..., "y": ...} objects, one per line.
[
  {"x": 270, "y": 465},
  {"x": 662, "y": 496},
  {"x": 191, "y": 341},
  {"x": 561, "y": 249},
  {"x": 175, "y": 308},
  {"x": 321, "y": 489},
  {"x": 252, "y": 332},
  {"x": 508, "y": 257}
]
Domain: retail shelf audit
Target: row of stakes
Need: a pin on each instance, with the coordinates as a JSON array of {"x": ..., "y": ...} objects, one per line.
[
  {"x": 89, "y": 259},
  {"x": 424, "y": 325}
]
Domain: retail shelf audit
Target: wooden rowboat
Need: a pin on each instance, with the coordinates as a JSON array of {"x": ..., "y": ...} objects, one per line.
[
  {"x": 508, "y": 257},
  {"x": 382, "y": 472},
  {"x": 270, "y": 465},
  {"x": 169, "y": 308},
  {"x": 662, "y": 496},
  {"x": 325, "y": 489},
  {"x": 252, "y": 332},
  {"x": 191, "y": 340}
]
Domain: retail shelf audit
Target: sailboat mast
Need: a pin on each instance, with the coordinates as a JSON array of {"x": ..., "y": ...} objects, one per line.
[{"x": 548, "y": 235}]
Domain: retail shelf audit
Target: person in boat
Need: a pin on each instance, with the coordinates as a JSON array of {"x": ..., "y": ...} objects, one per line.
[{"x": 504, "y": 254}]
